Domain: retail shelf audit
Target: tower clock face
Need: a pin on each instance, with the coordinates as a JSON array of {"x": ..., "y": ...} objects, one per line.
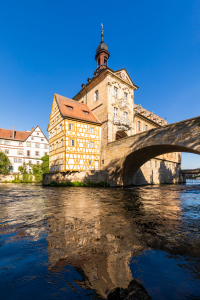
[{"x": 123, "y": 75}]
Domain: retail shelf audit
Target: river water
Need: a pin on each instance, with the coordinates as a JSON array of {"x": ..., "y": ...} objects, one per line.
[{"x": 79, "y": 243}]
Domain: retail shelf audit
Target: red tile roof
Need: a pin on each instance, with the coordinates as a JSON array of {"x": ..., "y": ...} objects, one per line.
[
  {"x": 18, "y": 135},
  {"x": 78, "y": 109},
  {"x": 148, "y": 114}
]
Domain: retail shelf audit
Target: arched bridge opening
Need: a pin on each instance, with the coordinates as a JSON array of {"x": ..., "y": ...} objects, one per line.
[{"x": 124, "y": 157}]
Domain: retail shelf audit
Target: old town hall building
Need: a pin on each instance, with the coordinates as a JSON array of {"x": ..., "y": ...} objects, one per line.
[{"x": 101, "y": 112}]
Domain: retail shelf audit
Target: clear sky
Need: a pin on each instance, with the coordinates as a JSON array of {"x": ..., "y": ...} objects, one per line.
[{"x": 48, "y": 47}]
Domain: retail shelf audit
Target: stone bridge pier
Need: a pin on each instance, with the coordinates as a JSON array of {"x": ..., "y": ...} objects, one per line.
[{"x": 122, "y": 158}]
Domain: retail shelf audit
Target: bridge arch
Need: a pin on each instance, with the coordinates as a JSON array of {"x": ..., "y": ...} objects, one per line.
[{"x": 124, "y": 157}]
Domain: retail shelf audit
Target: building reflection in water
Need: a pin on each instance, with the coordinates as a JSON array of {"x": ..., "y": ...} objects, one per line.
[{"x": 98, "y": 231}]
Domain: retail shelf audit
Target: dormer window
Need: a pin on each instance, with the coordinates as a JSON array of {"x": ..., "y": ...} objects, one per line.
[
  {"x": 96, "y": 95},
  {"x": 70, "y": 107},
  {"x": 86, "y": 112},
  {"x": 115, "y": 91}
]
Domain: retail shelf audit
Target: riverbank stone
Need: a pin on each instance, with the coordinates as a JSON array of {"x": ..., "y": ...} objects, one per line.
[{"x": 135, "y": 291}]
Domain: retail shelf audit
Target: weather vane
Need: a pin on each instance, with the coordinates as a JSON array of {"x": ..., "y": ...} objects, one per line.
[{"x": 102, "y": 26}]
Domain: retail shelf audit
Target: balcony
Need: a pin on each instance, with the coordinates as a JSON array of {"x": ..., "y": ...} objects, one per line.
[{"x": 124, "y": 124}]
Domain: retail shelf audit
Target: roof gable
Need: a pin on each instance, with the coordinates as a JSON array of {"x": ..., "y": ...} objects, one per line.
[
  {"x": 32, "y": 133},
  {"x": 123, "y": 74}
]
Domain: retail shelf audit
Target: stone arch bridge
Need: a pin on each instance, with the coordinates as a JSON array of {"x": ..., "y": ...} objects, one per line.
[{"x": 124, "y": 157}]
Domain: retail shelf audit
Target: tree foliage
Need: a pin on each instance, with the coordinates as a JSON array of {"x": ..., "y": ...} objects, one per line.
[
  {"x": 45, "y": 164},
  {"x": 4, "y": 163},
  {"x": 23, "y": 168}
]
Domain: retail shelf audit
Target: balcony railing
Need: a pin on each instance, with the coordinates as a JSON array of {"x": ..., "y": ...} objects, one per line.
[{"x": 121, "y": 121}]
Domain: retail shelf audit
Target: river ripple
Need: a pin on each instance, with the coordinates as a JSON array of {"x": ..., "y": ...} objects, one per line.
[{"x": 78, "y": 243}]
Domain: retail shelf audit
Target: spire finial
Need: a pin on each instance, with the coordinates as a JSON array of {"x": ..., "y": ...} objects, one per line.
[{"x": 102, "y": 33}]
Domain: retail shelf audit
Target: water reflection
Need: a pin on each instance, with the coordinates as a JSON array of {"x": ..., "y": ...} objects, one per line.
[{"x": 103, "y": 233}]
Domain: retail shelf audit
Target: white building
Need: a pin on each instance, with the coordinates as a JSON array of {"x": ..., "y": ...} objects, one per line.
[{"x": 23, "y": 146}]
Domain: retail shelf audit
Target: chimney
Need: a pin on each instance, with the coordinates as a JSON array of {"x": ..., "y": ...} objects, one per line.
[
  {"x": 13, "y": 132},
  {"x": 32, "y": 128}
]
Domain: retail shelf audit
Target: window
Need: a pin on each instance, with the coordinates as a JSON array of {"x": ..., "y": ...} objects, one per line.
[
  {"x": 71, "y": 142},
  {"x": 71, "y": 126},
  {"x": 125, "y": 96},
  {"x": 37, "y": 153},
  {"x": 167, "y": 154},
  {"x": 20, "y": 152},
  {"x": 92, "y": 130},
  {"x": 20, "y": 160},
  {"x": 145, "y": 127},
  {"x": 169, "y": 166},
  {"x": 37, "y": 133},
  {"x": 115, "y": 91},
  {"x": 70, "y": 107},
  {"x": 45, "y": 146},
  {"x": 37, "y": 145},
  {"x": 125, "y": 115},
  {"x": 20, "y": 144},
  {"x": 50, "y": 148},
  {"x": 61, "y": 143},
  {"x": 38, "y": 162},
  {"x": 6, "y": 151},
  {"x": 15, "y": 160},
  {"x": 96, "y": 95},
  {"x": 30, "y": 162},
  {"x": 175, "y": 155},
  {"x": 45, "y": 153},
  {"x": 28, "y": 144},
  {"x": 139, "y": 125},
  {"x": 60, "y": 127},
  {"x": 42, "y": 140},
  {"x": 155, "y": 164},
  {"x": 61, "y": 161},
  {"x": 171, "y": 155},
  {"x": 105, "y": 61},
  {"x": 32, "y": 138},
  {"x": 56, "y": 145},
  {"x": 91, "y": 144},
  {"x": 90, "y": 162},
  {"x": 55, "y": 131},
  {"x": 7, "y": 142},
  {"x": 115, "y": 111},
  {"x": 86, "y": 112},
  {"x": 28, "y": 153}
]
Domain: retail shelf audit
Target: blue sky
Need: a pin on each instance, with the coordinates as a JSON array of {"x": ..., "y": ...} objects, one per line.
[{"x": 48, "y": 47}]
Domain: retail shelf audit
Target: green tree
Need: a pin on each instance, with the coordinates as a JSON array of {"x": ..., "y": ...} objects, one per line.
[
  {"x": 23, "y": 169},
  {"x": 4, "y": 163},
  {"x": 45, "y": 164}
]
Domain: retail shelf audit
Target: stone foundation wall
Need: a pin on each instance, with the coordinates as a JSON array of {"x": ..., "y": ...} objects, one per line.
[
  {"x": 85, "y": 176},
  {"x": 145, "y": 175},
  {"x": 10, "y": 177}
]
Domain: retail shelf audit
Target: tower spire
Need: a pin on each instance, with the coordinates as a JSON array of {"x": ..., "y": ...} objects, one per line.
[
  {"x": 102, "y": 53},
  {"x": 102, "y": 32}
]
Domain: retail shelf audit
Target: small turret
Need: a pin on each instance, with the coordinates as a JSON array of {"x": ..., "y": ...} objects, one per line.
[{"x": 102, "y": 54}]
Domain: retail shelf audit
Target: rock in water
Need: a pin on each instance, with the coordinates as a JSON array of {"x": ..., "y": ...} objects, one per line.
[
  {"x": 135, "y": 291},
  {"x": 117, "y": 294}
]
